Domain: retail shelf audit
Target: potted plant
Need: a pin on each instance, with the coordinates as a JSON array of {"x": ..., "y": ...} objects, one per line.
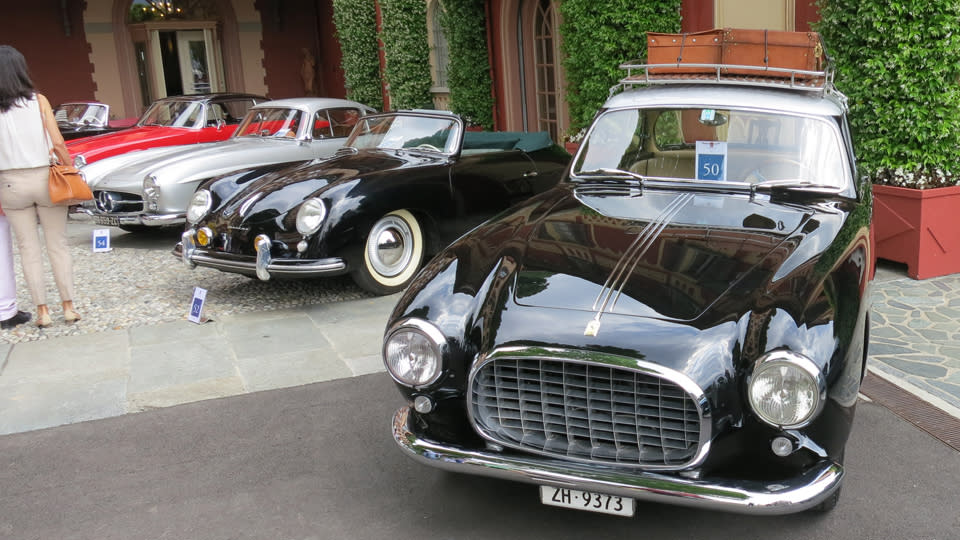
[{"x": 901, "y": 75}]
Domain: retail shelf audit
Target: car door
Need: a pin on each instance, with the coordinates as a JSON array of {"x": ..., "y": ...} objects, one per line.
[{"x": 222, "y": 118}]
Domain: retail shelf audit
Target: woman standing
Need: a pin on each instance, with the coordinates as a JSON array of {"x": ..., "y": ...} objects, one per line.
[{"x": 28, "y": 136}]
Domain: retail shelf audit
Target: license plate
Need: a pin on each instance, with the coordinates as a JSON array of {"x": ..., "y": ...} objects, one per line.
[
  {"x": 586, "y": 500},
  {"x": 107, "y": 220}
]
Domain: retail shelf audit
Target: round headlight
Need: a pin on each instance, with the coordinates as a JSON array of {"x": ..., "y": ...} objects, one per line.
[
  {"x": 413, "y": 353},
  {"x": 79, "y": 161},
  {"x": 199, "y": 206},
  {"x": 786, "y": 389},
  {"x": 310, "y": 216},
  {"x": 151, "y": 193}
]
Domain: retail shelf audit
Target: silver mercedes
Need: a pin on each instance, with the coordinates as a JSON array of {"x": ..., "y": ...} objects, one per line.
[{"x": 151, "y": 188}]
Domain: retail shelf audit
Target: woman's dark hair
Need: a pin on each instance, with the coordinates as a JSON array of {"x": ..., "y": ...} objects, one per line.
[{"x": 15, "y": 83}]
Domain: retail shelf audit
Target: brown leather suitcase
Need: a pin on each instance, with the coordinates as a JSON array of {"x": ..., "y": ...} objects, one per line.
[
  {"x": 772, "y": 49},
  {"x": 690, "y": 48}
]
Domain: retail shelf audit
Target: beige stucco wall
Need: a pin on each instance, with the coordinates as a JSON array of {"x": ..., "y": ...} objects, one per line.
[
  {"x": 98, "y": 27},
  {"x": 251, "y": 50}
]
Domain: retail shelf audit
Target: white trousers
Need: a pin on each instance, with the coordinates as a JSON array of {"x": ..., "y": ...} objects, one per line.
[{"x": 8, "y": 280}]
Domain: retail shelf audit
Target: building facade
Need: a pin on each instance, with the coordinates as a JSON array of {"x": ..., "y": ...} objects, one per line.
[{"x": 107, "y": 50}]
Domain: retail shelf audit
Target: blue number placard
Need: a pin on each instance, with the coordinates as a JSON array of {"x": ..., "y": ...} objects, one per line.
[
  {"x": 711, "y": 160},
  {"x": 101, "y": 240},
  {"x": 196, "y": 305}
]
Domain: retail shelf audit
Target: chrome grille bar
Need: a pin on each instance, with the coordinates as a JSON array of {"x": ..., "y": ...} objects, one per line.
[{"x": 587, "y": 411}]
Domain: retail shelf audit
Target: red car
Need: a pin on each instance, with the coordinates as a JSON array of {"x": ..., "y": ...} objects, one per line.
[{"x": 170, "y": 121}]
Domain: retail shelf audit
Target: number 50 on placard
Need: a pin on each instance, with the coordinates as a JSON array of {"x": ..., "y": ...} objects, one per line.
[{"x": 711, "y": 160}]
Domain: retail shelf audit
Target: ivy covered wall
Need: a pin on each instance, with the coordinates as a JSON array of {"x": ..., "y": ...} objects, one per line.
[
  {"x": 598, "y": 36},
  {"x": 407, "y": 51},
  {"x": 356, "y": 22},
  {"x": 899, "y": 64},
  {"x": 468, "y": 76}
]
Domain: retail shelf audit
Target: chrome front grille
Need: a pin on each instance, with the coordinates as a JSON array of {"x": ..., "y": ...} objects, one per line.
[{"x": 587, "y": 412}]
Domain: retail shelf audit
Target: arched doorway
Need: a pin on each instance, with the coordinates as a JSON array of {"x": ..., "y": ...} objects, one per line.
[
  {"x": 533, "y": 84},
  {"x": 193, "y": 48}
]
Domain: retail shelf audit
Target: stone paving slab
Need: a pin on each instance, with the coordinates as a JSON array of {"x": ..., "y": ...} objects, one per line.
[
  {"x": 915, "y": 343},
  {"x": 915, "y": 333}
]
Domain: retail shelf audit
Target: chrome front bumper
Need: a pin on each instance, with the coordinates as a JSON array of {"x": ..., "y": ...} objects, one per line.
[
  {"x": 742, "y": 496},
  {"x": 262, "y": 266},
  {"x": 148, "y": 220}
]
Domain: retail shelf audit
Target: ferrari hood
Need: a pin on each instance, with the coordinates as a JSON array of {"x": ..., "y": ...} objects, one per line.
[{"x": 662, "y": 254}]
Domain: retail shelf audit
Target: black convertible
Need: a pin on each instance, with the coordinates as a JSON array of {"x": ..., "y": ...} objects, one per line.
[{"x": 404, "y": 185}]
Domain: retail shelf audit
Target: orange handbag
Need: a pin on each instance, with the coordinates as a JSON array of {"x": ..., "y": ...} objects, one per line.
[{"x": 67, "y": 186}]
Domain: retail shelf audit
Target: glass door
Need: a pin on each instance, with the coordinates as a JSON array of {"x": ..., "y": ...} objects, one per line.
[{"x": 194, "y": 62}]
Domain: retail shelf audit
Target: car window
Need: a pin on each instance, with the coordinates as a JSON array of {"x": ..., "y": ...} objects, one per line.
[
  {"x": 173, "y": 114},
  {"x": 82, "y": 113},
  {"x": 717, "y": 144},
  {"x": 279, "y": 122},
  {"x": 235, "y": 109},
  {"x": 342, "y": 120},
  {"x": 321, "y": 125},
  {"x": 406, "y": 131}
]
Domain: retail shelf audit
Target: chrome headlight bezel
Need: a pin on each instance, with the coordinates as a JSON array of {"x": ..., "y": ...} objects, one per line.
[
  {"x": 151, "y": 192},
  {"x": 310, "y": 216},
  {"x": 414, "y": 369},
  {"x": 200, "y": 204},
  {"x": 780, "y": 374},
  {"x": 79, "y": 161}
]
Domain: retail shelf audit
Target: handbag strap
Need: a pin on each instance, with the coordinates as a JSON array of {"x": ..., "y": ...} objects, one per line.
[{"x": 46, "y": 134}]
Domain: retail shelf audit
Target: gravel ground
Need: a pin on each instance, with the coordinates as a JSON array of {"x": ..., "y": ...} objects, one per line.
[{"x": 140, "y": 282}]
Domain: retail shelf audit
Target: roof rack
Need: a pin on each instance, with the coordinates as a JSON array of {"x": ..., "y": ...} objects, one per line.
[{"x": 642, "y": 74}]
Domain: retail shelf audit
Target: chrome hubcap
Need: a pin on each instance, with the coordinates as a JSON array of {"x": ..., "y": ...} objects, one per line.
[{"x": 390, "y": 246}]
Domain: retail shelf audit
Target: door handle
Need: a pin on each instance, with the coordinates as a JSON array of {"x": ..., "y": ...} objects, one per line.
[{"x": 530, "y": 173}]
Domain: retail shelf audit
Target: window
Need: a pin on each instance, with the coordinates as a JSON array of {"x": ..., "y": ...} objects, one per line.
[{"x": 439, "y": 49}]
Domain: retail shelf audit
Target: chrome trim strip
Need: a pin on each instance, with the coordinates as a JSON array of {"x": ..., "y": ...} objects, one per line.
[
  {"x": 696, "y": 394},
  {"x": 262, "y": 245},
  {"x": 188, "y": 247},
  {"x": 293, "y": 268},
  {"x": 743, "y": 496}
]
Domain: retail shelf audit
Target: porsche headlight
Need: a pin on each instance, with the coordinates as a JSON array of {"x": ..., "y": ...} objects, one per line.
[
  {"x": 786, "y": 390},
  {"x": 199, "y": 206},
  {"x": 151, "y": 192},
  {"x": 310, "y": 216},
  {"x": 79, "y": 161},
  {"x": 413, "y": 352}
]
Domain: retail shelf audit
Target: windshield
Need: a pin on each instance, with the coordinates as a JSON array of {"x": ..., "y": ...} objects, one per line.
[
  {"x": 81, "y": 114},
  {"x": 279, "y": 123},
  {"x": 402, "y": 131},
  {"x": 716, "y": 145},
  {"x": 173, "y": 114}
]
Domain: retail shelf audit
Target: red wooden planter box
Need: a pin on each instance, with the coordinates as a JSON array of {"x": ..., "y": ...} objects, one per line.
[{"x": 918, "y": 227}]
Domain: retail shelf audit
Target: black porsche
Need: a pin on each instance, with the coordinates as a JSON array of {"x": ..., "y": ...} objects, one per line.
[{"x": 404, "y": 185}]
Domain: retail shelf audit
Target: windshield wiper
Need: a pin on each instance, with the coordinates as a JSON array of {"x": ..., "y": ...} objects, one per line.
[
  {"x": 790, "y": 183},
  {"x": 603, "y": 171}
]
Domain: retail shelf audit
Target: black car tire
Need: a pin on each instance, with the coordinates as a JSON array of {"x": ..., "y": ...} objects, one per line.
[
  {"x": 392, "y": 253},
  {"x": 829, "y": 503}
]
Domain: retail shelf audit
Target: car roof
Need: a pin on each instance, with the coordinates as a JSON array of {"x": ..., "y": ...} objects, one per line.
[
  {"x": 721, "y": 96},
  {"x": 212, "y": 97},
  {"x": 311, "y": 103}
]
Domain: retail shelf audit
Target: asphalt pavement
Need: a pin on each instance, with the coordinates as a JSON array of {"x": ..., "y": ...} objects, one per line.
[
  {"x": 318, "y": 462},
  {"x": 275, "y": 424}
]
